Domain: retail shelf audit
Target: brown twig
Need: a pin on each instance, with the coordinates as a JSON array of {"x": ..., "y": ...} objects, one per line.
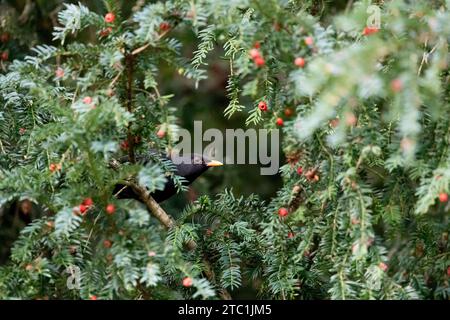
[
  {"x": 148, "y": 44},
  {"x": 153, "y": 206},
  {"x": 167, "y": 221}
]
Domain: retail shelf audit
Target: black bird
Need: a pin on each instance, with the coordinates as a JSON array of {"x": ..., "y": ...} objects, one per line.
[{"x": 189, "y": 167}]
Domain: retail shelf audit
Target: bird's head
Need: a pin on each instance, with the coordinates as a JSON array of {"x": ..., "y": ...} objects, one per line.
[{"x": 193, "y": 165}]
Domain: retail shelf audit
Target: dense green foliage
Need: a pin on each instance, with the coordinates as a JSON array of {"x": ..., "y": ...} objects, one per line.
[{"x": 369, "y": 129}]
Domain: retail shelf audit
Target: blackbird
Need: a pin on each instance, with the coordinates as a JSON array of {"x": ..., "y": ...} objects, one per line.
[{"x": 190, "y": 168}]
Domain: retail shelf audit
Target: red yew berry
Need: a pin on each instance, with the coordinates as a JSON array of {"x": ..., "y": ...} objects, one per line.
[
  {"x": 110, "y": 17},
  {"x": 290, "y": 235},
  {"x": 259, "y": 61},
  {"x": 279, "y": 122},
  {"x": 164, "y": 26},
  {"x": 262, "y": 105},
  {"x": 443, "y": 197},
  {"x": 110, "y": 208},
  {"x": 187, "y": 282},
  {"x": 299, "y": 171},
  {"x": 82, "y": 208},
  {"x": 370, "y": 30},
  {"x": 93, "y": 297},
  {"x": 334, "y": 123},
  {"x": 105, "y": 32},
  {"x": 87, "y": 100},
  {"x": 59, "y": 73},
  {"x": 88, "y": 202},
  {"x": 4, "y": 37},
  {"x": 124, "y": 145},
  {"x": 161, "y": 133},
  {"x": 254, "y": 53},
  {"x": 151, "y": 253},
  {"x": 396, "y": 85},
  {"x": 309, "y": 41},
  {"x": 299, "y": 62},
  {"x": 107, "y": 244},
  {"x": 4, "y": 56},
  {"x": 256, "y": 45},
  {"x": 350, "y": 119},
  {"x": 52, "y": 167},
  {"x": 277, "y": 26},
  {"x": 288, "y": 112},
  {"x": 283, "y": 212},
  {"x": 383, "y": 266}
]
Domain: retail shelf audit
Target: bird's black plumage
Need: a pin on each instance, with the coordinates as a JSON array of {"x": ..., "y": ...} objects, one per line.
[{"x": 189, "y": 167}]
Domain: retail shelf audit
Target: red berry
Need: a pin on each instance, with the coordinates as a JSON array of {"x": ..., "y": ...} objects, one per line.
[
  {"x": 87, "y": 100},
  {"x": 110, "y": 17},
  {"x": 88, "y": 202},
  {"x": 300, "y": 171},
  {"x": 370, "y": 30},
  {"x": 59, "y": 73},
  {"x": 259, "y": 61},
  {"x": 124, "y": 145},
  {"x": 277, "y": 26},
  {"x": 254, "y": 53},
  {"x": 383, "y": 266},
  {"x": 93, "y": 298},
  {"x": 4, "y": 37},
  {"x": 5, "y": 55},
  {"x": 443, "y": 197},
  {"x": 334, "y": 123},
  {"x": 164, "y": 26},
  {"x": 350, "y": 119},
  {"x": 283, "y": 212},
  {"x": 22, "y": 131},
  {"x": 396, "y": 85},
  {"x": 299, "y": 62},
  {"x": 262, "y": 105},
  {"x": 288, "y": 112},
  {"x": 309, "y": 41},
  {"x": 290, "y": 235},
  {"x": 187, "y": 282},
  {"x": 82, "y": 208},
  {"x": 256, "y": 45},
  {"x": 161, "y": 133},
  {"x": 105, "y": 32},
  {"x": 279, "y": 122},
  {"x": 107, "y": 244},
  {"x": 110, "y": 208},
  {"x": 52, "y": 167}
]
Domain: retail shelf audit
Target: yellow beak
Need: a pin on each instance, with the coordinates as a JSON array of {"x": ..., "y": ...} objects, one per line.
[{"x": 214, "y": 163}]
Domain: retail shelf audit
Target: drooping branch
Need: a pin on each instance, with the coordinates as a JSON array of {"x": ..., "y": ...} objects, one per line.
[{"x": 153, "y": 206}]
